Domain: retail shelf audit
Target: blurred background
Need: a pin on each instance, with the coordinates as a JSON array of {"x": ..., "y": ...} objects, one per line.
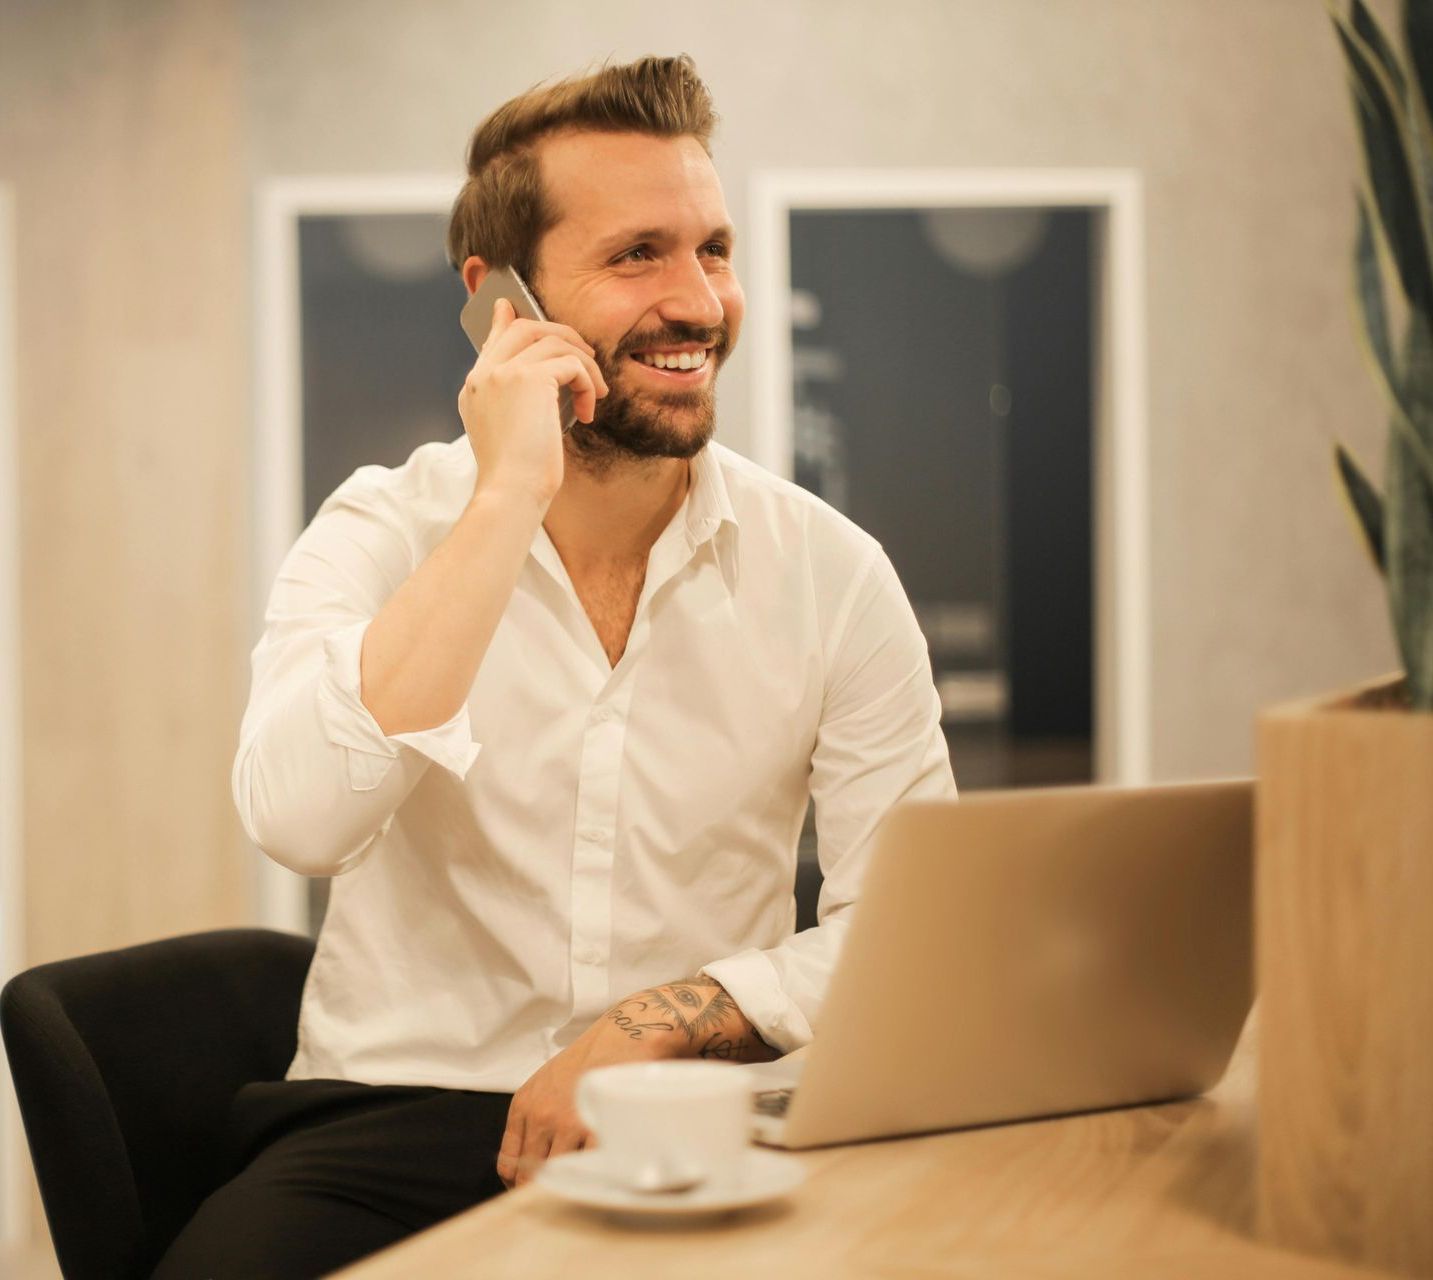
[{"x": 222, "y": 288}]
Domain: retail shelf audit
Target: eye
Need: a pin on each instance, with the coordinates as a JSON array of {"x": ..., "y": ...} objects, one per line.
[
  {"x": 637, "y": 253},
  {"x": 718, "y": 249}
]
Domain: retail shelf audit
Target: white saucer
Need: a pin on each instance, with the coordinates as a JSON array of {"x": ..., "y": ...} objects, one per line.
[{"x": 579, "y": 1176}]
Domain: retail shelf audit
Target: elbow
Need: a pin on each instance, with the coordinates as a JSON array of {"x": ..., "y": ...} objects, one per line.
[
  {"x": 298, "y": 850},
  {"x": 307, "y": 838}
]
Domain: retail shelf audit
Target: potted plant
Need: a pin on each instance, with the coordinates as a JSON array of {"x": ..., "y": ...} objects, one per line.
[{"x": 1344, "y": 892}]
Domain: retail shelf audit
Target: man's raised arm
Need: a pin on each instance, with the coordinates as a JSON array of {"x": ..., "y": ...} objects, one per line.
[{"x": 364, "y": 653}]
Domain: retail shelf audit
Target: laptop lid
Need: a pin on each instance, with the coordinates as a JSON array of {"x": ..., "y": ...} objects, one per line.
[{"x": 1025, "y": 953}]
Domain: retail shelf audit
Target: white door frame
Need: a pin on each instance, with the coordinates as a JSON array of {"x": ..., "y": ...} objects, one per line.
[
  {"x": 281, "y": 895},
  {"x": 13, "y": 1208},
  {"x": 1121, "y": 533}
]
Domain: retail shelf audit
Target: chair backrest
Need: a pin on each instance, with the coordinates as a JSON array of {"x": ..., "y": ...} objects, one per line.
[
  {"x": 125, "y": 1064},
  {"x": 808, "y": 892}
]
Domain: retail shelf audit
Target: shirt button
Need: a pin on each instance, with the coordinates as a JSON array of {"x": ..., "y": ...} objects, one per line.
[
  {"x": 592, "y": 835},
  {"x": 586, "y": 954},
  {"x": 604, "y": 713}
]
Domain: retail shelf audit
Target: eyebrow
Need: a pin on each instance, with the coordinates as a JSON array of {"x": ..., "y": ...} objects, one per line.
[{"x": 658, "y": 235}]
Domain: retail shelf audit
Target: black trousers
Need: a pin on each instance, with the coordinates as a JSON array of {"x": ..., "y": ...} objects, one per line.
[{"x": 327, "y": 1172}]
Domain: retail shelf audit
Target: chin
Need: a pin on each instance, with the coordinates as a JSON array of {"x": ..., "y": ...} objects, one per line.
[
  {"x": 635, "y": 436},
  {"x": 632, "y": 426}
]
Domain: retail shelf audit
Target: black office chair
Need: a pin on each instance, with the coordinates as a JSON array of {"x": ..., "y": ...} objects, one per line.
[{"x": 125, "y": 1063}]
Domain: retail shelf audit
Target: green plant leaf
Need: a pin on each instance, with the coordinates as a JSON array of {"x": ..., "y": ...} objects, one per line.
[
  {"x": 1418, "y": 40},
  {"x": 1372, "y": 310},
  {"x": 1391, "y": 173},
  {"x": 1366, "y": 25},
  {"x": 1408, "y": 520},
  {"x": 1368, "y": 290},
  {"x": 1408, "y": 566},
  {"x": 1364, "y": 504}
]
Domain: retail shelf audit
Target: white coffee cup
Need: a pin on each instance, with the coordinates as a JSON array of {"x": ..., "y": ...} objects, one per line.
[{"x": 663, "y": 1123}]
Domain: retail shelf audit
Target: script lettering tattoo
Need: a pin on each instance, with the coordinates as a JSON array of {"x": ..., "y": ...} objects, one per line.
[
  {"x": 629, "y": 1023},
  {"x": 724, "y": 1048}
]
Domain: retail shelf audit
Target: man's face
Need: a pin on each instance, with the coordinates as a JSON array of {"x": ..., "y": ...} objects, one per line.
[{"x": 639, "y": 263}]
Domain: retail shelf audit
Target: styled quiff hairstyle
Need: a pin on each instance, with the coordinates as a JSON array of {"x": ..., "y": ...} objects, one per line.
[{"x": 502, "y": 212}]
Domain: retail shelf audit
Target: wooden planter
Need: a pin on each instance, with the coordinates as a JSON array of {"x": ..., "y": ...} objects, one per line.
[{"x": 1344, "y": 951}]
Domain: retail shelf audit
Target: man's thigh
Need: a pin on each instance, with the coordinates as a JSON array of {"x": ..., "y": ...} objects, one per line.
[{"x": 333, "y": 1172}]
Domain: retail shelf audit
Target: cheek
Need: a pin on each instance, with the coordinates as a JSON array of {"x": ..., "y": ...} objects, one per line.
[{"x": 733, "y": 305}]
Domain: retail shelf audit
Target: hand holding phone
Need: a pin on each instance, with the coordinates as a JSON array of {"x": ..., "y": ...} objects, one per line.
[
  {"x": 477, "y": 315},
  {"x": 533, "y": 378}
]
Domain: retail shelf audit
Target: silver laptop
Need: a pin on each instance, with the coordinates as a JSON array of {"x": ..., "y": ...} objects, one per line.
[{"x": 1029, "y": 953}]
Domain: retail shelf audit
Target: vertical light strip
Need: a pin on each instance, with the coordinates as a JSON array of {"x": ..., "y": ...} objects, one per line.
[
  {"x": 773, "y": 406},
  {"x": 12, "y": 871},
  {"x": 1121, "y": 532},
  {"x": 281, "y": 896},
  {"x": 1129, "y": 428}
]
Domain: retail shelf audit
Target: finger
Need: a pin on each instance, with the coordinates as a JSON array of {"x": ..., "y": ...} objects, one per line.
[
  {"x": 535, "y": 1148},
  {"x": 569, "y": 369},
  {"x": 571, "y": 372},
  {"x": 567, "y": 1140},
  {"x": 503, "y": 315},
  {"x": 519, "y": 333},
  {"x": 554, "y": 347},
  {"x": 511, "y": 1149}
]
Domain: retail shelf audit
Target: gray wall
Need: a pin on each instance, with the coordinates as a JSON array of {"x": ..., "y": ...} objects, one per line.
[{"x": 1234, "y": 112}]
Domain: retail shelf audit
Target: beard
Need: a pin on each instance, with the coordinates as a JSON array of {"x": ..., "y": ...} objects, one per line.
[{"x": 632, "y": 426}]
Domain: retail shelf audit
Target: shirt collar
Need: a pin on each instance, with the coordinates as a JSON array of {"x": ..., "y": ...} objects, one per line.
[
  {"x": 706, "y": 513},
  {"x": 710, "y": 515}
]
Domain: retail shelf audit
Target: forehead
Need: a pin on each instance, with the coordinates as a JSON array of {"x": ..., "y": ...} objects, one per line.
[{"x": 602, "y": 183}]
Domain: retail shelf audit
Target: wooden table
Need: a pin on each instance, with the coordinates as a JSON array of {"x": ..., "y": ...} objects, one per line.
[{"x": 1147, "y": 1192}]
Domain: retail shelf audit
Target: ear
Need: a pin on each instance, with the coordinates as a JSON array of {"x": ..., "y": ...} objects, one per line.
[{"x": 474, "y": 269}]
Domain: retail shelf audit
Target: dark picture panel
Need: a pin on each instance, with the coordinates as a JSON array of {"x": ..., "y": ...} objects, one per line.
[{"x": 943, "y": 388}]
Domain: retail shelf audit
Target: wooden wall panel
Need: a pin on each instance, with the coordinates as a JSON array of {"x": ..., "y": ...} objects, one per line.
[
  {"x": 121, "y": 131},
  {"x": 123, "y": 135}
]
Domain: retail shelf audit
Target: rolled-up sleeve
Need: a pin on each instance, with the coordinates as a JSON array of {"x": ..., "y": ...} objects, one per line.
[
  {"x": 879, "y": 743},
  {"x": 316, "y": 781}
]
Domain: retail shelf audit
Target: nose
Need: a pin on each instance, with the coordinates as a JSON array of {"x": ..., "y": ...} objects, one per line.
[{"x": 690, "y": 298}]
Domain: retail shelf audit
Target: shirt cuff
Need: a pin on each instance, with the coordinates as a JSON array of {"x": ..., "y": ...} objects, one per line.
[
  {"x": 349, "y": 724},
  {"x": 751, "y": 980}
]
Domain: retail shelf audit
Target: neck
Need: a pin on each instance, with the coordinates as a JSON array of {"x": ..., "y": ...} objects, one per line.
[{"x": 614, "y": 515}]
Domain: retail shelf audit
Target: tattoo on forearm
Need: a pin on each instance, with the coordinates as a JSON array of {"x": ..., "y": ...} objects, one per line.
[
  {"x": 700, "y": 1008},
  {"x": 725, "y": 1048},
  {"x": 629, "y": 1022}
]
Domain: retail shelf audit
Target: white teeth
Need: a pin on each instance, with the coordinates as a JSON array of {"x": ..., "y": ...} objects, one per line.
[{"x": 676, "y": 360}]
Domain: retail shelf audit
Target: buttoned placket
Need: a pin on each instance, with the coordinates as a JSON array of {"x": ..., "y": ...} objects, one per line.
[{"x": 595, "y": 835}]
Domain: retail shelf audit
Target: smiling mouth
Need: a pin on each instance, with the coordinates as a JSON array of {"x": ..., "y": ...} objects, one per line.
[{"x": 674, "y": 361}]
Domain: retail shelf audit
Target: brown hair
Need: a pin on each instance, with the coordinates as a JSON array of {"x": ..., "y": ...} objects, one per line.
[{"x": 502, "y": 211}]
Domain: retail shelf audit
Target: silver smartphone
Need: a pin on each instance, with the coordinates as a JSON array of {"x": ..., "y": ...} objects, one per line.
[{"x": 477, "y": 319}]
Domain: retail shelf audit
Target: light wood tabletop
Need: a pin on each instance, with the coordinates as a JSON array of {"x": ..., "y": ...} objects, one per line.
[{"x": 1149, "y": 1192}]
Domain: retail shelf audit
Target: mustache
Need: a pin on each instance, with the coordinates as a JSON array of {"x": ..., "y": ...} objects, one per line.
[{"x": 718, "y": 337}]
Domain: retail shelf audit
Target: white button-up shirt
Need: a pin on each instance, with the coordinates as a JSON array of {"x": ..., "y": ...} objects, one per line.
[{"x": 578, "y": 831}]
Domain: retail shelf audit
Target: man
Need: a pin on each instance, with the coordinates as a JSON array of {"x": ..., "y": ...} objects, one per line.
[{"x": 549, "y": 710}]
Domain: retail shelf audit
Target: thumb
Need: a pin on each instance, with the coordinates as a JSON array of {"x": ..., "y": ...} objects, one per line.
[{"x": 503, "y": 315}]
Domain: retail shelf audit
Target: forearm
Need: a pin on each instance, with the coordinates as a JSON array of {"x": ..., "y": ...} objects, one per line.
[
  {"x": 422, "y": 651},
  {"x": 692, "y": 1018}
]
